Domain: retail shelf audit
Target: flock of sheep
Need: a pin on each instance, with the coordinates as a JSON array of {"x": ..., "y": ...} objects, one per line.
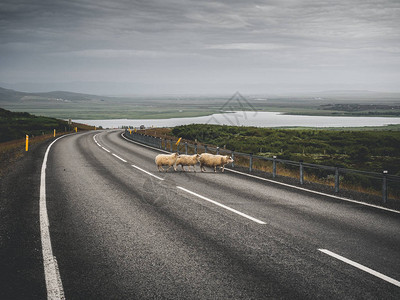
[{"x": 205, "y": 159}]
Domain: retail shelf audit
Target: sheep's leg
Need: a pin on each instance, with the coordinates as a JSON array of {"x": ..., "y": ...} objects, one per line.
[
  {"x": 160, "y": 167},
  {"x": 222, "y": 169},
  {"x": 215, "y": 169},
  {"x": 183, "y": 169}
]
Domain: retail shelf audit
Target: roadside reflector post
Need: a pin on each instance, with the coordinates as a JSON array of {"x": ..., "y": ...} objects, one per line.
[
  {"x": 26, "y": 142},
  {"x": 54, "y": 133},
  {"x": 274, "y": 167},
  {"x": 336, "y": 180},
  {"x": 251, "y": 162},
  {"x": 76, "y": 129},
  {"x": 384, "y": 187},
  {"x": 301, "y": 172}
]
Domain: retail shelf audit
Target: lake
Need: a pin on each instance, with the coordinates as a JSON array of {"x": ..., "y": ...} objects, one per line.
[{"x": 250, "y": 118}]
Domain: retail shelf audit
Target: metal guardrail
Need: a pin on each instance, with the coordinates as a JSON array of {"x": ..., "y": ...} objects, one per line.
[{"x": 336, "y": 176}]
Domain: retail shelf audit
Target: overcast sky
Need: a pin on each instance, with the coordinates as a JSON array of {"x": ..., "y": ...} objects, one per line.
[{"x": 184, "y": 46}]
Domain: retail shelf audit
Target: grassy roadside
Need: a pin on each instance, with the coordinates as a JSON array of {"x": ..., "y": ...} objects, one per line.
[{"x": 15, "y": 126}]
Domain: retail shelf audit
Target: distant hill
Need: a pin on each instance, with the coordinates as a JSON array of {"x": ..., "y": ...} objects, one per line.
[
  {"x": 15, "y": 125},
  {"x": 8, "y": 96}
]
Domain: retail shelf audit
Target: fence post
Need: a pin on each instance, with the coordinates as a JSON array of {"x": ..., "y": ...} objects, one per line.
[
  {"x": 301, "y": 173},
  {"x": 186, "y": 148},
  {"x": 251, "y": 162},
  {"x": 165, "y": 144},
  {"x": 217, "y": 150},
  {"x": 274, "y": 167},
  {"x": 384, "y": 187},
  {"x": 195, "y": 148},
  {"x": 233, "y": 158},
  {"x": 336, "y": 180},
  {"x": 171, "y": 145},
  {"x": 205, "y": 148}
]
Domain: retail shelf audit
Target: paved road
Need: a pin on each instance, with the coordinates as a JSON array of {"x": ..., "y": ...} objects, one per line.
[{"x": 119, "y": 232}]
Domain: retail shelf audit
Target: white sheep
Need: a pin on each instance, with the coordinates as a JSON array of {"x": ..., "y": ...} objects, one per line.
[
  {"x": 166, "y": 160},
  {"x": 211, "y": 160},
  {"x": 188, "y": 160}
]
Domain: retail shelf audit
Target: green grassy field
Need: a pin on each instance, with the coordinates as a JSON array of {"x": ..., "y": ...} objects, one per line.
[{"x": 369, "y": 150}]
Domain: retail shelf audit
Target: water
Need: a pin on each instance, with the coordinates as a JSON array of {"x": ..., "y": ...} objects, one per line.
[{"x": 259, "y": 119}]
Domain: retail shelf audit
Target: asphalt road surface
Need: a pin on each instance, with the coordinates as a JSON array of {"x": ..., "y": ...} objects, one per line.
[{"x": 122, "y": 230}]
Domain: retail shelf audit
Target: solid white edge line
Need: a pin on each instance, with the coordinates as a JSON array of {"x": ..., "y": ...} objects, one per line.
[
  {"x": 284, "y": 184},
  {"x": 361, "y": 267},
  {"x": 314, "y": 192},
  {"x": 222, "y": 205},
  {"x": 120, "y": 158},
  {"x": 147, "y": 172},
  {"x": 52, "y": 276},
  {"x": 105, "y": 149}
]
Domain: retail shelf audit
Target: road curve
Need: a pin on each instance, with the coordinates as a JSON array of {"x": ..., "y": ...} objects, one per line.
[{"x": 121, "y": 229}]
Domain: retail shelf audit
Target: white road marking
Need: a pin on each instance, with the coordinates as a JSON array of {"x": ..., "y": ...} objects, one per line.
[
  {"x": 361, "y": 267},
  {"x": 105, "y": 149},
  {"x": 120, "y": 158},
  {"x": 222, "y": 205},
  {"x": 314, "y": 192},
  {"x": 53, "y": 280},
  {"x": 155, "y": 176}
]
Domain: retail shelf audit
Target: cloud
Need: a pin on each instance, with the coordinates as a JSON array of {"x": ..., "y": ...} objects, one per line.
[{"x": 185, "y": 38}]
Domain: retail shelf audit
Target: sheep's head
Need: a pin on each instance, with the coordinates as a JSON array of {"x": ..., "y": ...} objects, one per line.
[
  {"x": 198, "y": 157},
  {"x": 228, "y": 159},
  {"x": 176, "y": 155}
]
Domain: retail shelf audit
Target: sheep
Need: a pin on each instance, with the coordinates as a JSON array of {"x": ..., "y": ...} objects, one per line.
[
  {"x": 211, "y": 160},
  {"x": 188, "y": 160},
  {"x": 166, "y": 160}
]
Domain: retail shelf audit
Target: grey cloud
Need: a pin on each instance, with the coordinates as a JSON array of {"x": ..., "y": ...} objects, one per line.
[{"x": 160, "y": 40}]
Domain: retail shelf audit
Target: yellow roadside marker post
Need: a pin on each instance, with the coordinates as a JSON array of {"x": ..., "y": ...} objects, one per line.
[
  {"x": 177, "y": 143},
  {"x": 76, "y": 129},
  {"x": 54, "y": 133},
  {"x": 27, "y": 143}
]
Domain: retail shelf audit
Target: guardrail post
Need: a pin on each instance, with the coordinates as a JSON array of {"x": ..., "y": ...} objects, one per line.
[
  {"x": 171, "y": 145},
  {"x": 336, "y": 180},
  {"x": 274, "y": 167},
  {"x": 165, "y": 144},
  {"x": 186, "y": 148},
  {"x": 251, "y": 162},
  {"x": 195, "y": 148},
  {"x": 217, "y": 150},
  {"x": 205, "y": 148},
  {"x": 301, "y": 172},
  {"x": 233, "y": 158},
  {"x": 384, "y": 187}
]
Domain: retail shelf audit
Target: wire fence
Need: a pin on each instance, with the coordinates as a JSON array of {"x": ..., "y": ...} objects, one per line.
[{"x": 336, "y": 179}]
